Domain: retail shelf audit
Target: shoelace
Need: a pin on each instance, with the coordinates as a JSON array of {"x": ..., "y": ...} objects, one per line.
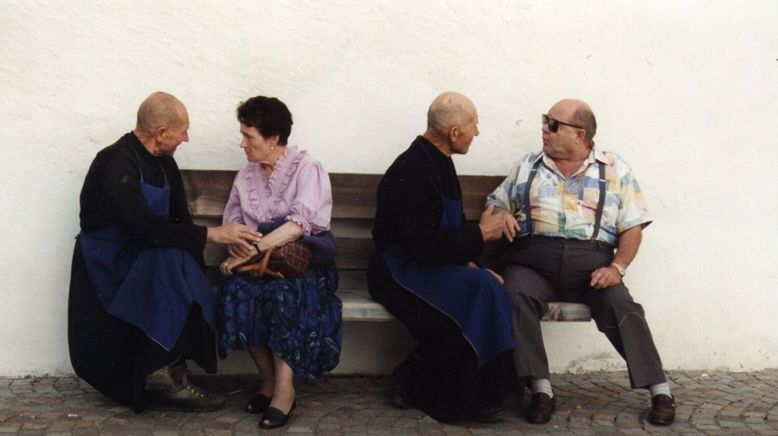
[{"x": 193, "y": 389}]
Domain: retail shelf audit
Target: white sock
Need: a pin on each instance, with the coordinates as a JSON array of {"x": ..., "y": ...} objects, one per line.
[
  {"x": 660, "y": 388},
  {"x": 542, "y": 385}
]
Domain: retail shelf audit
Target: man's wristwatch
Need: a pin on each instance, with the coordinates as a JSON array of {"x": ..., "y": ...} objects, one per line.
[{"x": 619, "y": 268}]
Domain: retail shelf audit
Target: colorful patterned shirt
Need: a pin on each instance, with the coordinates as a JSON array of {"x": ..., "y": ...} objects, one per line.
[{"x": 565, "y": 207}]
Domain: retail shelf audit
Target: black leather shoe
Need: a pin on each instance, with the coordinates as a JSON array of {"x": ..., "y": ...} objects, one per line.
[
  {"x": 662, "y": 410},
  {"x": 541, "y": 406},
  {"x": 489, "y": 413},
  {"x": 257, "y": 404},
  {"x": 274, "y": 418},
  {"x": 397, "y": 393}
]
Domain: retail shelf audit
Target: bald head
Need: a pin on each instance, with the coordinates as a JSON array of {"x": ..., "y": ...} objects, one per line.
[
  {"x": 449, "y": 109},
  {"x": 160, "y": 109},
  {"x": 579, "y": 113}
]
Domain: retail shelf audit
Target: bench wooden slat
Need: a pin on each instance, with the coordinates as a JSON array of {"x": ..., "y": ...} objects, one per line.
[
  {"x": 353, "y": 194},
  {"x": 207, "y": 191}
]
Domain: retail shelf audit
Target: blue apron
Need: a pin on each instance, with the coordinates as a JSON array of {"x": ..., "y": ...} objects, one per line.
[
  {"x": 152, "y": 288},
  {"x": 472, "y": 297}
]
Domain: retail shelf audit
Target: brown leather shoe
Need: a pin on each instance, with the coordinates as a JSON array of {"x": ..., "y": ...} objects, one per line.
[
  {"x": 186, "y": 399},
  {"x": 541, "y": 406},
  {"x": 662, "y": 410},
  {"x": 169, "y": 389}
]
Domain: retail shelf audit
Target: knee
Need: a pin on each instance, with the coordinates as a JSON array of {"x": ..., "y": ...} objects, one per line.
[
  {"x": 615, "y": 302},
  {"x": 524, "y": 285}
]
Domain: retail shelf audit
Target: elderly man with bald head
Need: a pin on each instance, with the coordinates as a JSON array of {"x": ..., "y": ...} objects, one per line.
[
  {"x": 575, "y": 215},
  {"x": 140, "y": 303},
  {"x": 424, "y": 273}
]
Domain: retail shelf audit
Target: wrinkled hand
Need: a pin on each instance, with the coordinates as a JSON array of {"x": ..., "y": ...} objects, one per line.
[
  {"x": 510, "y": 225},
  {"x": 228, "y": 265},
  {"x": 605, "y": 277},
  {"x": 240, "y": 251},
  {"x": 234, "y": 234},
  {"x": 491, "y": 224},
  {"x": 496, "y": 276}
]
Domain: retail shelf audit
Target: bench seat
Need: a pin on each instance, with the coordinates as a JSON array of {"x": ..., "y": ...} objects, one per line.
[{"x": 358, "y": 306}]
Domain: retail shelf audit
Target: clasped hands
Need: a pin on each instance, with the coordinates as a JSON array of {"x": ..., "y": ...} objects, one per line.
[
  {"x": 241, "y": 242},
  {"x": 238, "y": 256}
]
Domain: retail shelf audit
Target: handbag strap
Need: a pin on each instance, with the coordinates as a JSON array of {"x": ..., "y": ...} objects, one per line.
[
  {"x": 260, "y": 268},
  {"x": 263, "y": 264}
]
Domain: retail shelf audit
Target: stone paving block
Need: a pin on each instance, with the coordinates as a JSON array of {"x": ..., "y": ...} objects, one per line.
[
  {"x": 763, "y": 429},
  {"x": 635, "y": 431},
  {"x": 10, "y": 428}
]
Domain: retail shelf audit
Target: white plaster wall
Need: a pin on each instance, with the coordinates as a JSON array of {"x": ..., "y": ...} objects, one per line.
[{"x": 686, "y": 91}]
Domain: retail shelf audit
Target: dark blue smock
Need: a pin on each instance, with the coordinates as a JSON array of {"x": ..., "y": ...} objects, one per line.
[
  {"x": 152, "y": 288},
  {"x": 472, "y": 297}
]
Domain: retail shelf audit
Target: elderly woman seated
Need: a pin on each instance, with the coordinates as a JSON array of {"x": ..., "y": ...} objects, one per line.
[{"x": 292, "y": 327}]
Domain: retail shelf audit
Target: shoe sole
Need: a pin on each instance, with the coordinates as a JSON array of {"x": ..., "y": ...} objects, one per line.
[
  {"x": 660, "y": 421},
  {"x": 164, "y": 404},
  {"x": 537, "y": 420},
  {"x": 166, "y": 408}
]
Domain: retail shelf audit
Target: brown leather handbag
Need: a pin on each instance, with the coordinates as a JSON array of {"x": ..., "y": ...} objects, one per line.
[{"x": 288, "y": 261}]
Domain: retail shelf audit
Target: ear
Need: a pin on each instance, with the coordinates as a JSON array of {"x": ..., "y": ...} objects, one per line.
[
  {"x": 453, "y": 133},
  {"x": 159, "y": 132},
  {"x": 274, "y": 139},
  {"x": 580, "y": 134}
]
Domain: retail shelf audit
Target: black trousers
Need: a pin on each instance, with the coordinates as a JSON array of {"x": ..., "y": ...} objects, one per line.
[
  {"x": 544, "y": 269},
  {"x": 441, "y": 374}
]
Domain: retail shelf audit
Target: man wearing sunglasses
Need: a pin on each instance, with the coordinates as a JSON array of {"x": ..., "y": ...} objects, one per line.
[{"x": 575, "y": 215}]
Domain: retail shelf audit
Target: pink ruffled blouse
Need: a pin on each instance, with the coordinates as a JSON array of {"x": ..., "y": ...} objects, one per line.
[{"x": 298, "y": 189}]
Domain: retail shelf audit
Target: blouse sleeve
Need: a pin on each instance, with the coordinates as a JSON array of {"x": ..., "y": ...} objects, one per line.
[
  {"x": 312, "y": 204},
  {"x": 233, "y": 213}
]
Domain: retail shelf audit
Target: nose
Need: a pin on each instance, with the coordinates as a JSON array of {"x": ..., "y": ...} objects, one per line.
[
  {"x": 545, "y": 128},
  {"x": 243, "y": 143},
  {"x": 186, "y": 136},
  {"x": 477, "y": 132}
]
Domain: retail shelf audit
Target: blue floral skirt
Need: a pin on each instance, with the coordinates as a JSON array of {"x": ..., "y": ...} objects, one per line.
[{"x": 300, "y": 320}]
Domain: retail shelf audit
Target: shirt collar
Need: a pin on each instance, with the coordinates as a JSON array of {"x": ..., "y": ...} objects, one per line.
[
  {"x": 598, "y": 155},
  {"x": 594, "y": 154}
]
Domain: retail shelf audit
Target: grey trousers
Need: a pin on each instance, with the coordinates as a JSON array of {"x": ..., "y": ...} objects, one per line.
[{"x": 544, "y": 269}]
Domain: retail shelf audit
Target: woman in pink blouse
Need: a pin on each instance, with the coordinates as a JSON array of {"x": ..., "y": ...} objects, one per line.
[{"x": 292, "y": 327}]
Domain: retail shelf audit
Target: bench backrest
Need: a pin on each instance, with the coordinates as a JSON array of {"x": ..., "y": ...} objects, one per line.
[{"x": 354, "y": 198}]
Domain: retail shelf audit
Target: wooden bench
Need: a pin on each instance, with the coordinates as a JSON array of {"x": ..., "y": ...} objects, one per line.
[{"x": 352, "y": 220}]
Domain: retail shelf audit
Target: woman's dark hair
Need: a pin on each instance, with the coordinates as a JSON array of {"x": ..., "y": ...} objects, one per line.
[{"x": 269, "y": 115}]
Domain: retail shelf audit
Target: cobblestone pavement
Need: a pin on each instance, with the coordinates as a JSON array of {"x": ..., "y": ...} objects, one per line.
[{"x": 598, "y": 403}]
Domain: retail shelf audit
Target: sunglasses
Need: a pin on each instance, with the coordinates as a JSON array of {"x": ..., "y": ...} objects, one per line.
[{"x": 553, "y": 124}]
